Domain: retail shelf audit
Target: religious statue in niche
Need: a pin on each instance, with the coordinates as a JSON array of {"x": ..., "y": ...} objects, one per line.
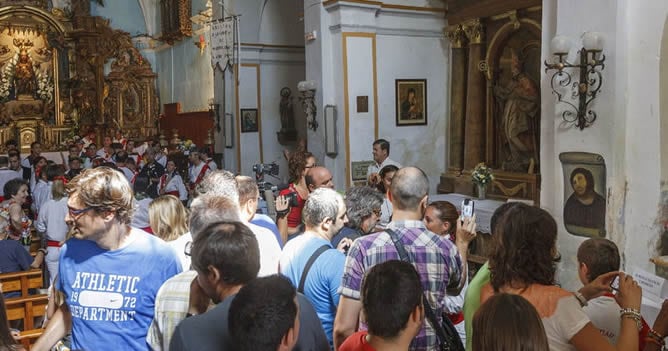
[
  {"x": 584, "y": 182},
  {"x": 24, "y": 74},
  {"x": 288, "y": 133},
  {"x": 518, "y": 101}
]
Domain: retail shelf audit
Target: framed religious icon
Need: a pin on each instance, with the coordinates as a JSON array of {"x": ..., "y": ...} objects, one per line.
[
  {"x": 249, "y": 123},
  {"x": 584, "y": 193},
  {"x": 411, "y": 102}
]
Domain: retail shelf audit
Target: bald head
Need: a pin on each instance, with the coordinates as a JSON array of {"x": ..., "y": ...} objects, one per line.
[
  {"x": 409, "y": 186},
  {"x": 319, "y": 177}
]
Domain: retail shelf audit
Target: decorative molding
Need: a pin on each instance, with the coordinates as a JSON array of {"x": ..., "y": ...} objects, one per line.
[
  {"x": 475, "y": 31},
  {"x": 456, "y": 36},
  {"x": 391, "y": 32},
  {"x": 381, "y": 5},
  {"x": 277, "y": 47}
]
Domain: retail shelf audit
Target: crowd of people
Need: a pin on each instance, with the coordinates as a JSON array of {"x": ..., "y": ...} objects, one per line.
[{"x": 138, "y": 259}]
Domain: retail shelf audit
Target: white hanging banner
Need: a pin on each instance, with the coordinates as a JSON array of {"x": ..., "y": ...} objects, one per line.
[{"x": 222, "y": 43}]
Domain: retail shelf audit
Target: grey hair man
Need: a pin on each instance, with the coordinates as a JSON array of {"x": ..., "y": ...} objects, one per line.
[
  {"x": 219, "y": 183},
  {"x": 363, "y": 212},
  {"x": 438, "y": 263},
  {"x": 324, "y": 214}
]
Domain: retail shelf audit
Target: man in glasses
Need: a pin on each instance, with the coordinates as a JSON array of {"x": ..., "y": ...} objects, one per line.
[{"x": 109, "y": 273}]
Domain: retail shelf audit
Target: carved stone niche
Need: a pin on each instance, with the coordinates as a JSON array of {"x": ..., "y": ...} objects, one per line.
[{"x": 495, "y": 103}]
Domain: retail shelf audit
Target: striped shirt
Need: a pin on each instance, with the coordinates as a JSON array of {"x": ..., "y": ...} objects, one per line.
[{"x": 435, "y": 258}]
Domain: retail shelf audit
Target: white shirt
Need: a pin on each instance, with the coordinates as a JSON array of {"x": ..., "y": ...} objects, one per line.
[
  {"x": 375, "y": 167},
  {"x": 179, "y": 247},
  {"x": 385, "y": 212},
  {"x": 128, "y": 173},
  {"x": 140, "y": 219},
  {"x": 604, "y": 314},
  {"x": 212, "y": 164},
  {"x": 270, "y": 251},
  {"x": 40, "y": 194},
  {"x": 175, "y": 184},
  {"x": 161, "y": 159},
  {"x": 195, "y": 171},
  {"x": 104, "y": 155},
  {"x": 51, "y": 219}
]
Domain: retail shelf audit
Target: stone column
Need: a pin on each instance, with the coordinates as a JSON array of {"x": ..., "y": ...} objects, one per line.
[
  {"x": 474, "y": 137},
  {"x": 455, "y": 34}
]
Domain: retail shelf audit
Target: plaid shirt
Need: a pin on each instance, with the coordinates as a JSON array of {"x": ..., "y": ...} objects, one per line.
[
  {"x": 171, "y": 307},
  {"x": 435, "y": 258}
]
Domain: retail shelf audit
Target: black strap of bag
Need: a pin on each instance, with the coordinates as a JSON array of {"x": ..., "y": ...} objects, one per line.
[
  {"x": 447, "y": 334},
  {"x": 310, "y": 263}
]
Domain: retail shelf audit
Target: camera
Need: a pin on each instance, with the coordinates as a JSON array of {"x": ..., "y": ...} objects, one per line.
[
  {"x": 261, "y": 169},
  {"x": 292, "y": 199}
]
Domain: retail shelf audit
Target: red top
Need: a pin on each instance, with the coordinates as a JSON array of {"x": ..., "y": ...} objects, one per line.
[
  {"x": 295, "y": 215},
  {"x": 356, "y": 342}
]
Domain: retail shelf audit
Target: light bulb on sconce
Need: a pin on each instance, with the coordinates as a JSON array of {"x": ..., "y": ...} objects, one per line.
[
  {"x": 201, "y": 44},
  {"x": 589, "y": 73}
]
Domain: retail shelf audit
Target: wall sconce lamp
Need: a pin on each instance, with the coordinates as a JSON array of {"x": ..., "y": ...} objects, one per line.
[
  {"x": 214, "y": 112},
  {"x": 590, "y": 79},
  {"x": 201, "y": 44},
  {"x": 307, "y": 89}
]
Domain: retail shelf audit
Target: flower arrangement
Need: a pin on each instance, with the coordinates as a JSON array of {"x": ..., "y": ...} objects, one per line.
[
  {"x": 6, "y": 78},
  {"x": 44, "y": 87},
  {"x": 482, "y": 175},
  {"x": 186, "y": 146}
]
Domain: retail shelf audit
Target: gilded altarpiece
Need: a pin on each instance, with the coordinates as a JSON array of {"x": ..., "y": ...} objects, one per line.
[
  {"x": 53, "y": 85},
  {"x": 495, "y": 96}
]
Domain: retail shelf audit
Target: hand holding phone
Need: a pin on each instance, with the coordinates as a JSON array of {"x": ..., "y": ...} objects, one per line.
[
  {"x": 614, "y": 284},
  {"x": 468, "y": 206}
]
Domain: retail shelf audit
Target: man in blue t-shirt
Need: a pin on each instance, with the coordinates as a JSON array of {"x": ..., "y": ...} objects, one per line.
[
  {"x": 324, "y": 214},
  {"x": 108, "y": 273}
]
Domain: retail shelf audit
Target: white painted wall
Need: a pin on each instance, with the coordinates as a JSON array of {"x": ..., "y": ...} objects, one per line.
[
  {"x": 409, "y": 44},
  {"x": 421, "y": 58},
  {"x": 627, "y": 133},
  {"x": 272, "y": 37}
]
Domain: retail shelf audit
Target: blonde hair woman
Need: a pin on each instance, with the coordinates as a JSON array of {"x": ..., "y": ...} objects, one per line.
[{"x": 169, "y": 221}]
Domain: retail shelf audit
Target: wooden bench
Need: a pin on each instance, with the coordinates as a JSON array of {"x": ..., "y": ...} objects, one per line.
[
  {"x": 27, "y": 309},
  {"x": 22, "y": 281}
]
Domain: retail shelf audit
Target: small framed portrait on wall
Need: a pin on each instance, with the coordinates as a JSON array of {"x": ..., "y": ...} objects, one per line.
[
  {"x": 249, "y": 123},
  {"x": 584, "y": 193},
  {"x": 411, "y": 102}
]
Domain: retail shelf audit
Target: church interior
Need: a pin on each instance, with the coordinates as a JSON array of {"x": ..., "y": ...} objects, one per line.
[{"x": 540, "y": 91}]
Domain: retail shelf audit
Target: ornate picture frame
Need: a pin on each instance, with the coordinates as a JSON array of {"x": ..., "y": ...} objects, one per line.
[
  {"x": 249, "y": 122},
  {"x": 411, "y": 102}
]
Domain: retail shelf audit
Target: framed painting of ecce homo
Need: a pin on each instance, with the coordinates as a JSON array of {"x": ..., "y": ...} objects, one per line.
[
  {"x": 584, "y": 193},
  {"x": 411, "y": 102}
]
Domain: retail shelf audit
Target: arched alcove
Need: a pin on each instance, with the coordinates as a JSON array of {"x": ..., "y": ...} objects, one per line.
[{"x": 280, "y": 23}]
